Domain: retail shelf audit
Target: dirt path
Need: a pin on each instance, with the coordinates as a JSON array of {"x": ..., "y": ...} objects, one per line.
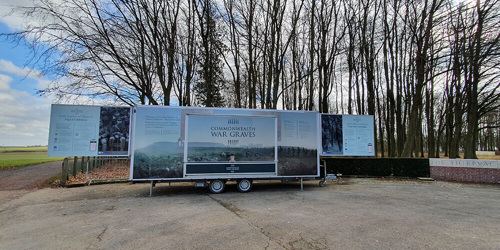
[
  {"x": 28, "y": 177},
  {"x": 19, "y": 181}
]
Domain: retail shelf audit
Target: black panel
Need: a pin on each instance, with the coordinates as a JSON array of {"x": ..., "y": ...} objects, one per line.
[{"x": 229, "y": 168}]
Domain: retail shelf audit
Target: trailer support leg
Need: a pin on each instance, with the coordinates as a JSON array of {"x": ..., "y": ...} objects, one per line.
[
  {"x": 151, "y": 188},
  {"x": 301, "y": 185}
]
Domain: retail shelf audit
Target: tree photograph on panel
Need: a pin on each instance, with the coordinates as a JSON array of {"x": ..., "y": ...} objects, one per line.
[{"x": 331, "y": 134}]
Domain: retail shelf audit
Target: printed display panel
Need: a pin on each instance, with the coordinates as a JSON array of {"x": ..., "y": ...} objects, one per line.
[
  {"x": 161, "y": 133},
  {"x": 347, "y": 135},
  {"x": 231, "y": 139},
  {"x": 358, "y": 135},
  {"x": 77, "y": 130},
  {"x": 298, "y": 145},
  {"x": 158, "y": 147},
  {"x": 331, "y": 134},
  {"x": 114, "y": 131}
]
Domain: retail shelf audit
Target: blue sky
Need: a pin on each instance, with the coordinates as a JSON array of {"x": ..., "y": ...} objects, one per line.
[{"x": 24, "y": 116}]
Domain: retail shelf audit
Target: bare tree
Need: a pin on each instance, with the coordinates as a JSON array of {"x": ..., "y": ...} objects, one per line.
[
  {"x": 113, "y": 50},
  {"x": 427, "y": 82},
  {"x": 331, "y": 33},
  {"x": 482, "y": 86},
  {"x": 232, "y": 22},
  {"x": 209, "y": 87},
  {"x": 421, "y": 35},
  {"x": 186, "y": 62}
]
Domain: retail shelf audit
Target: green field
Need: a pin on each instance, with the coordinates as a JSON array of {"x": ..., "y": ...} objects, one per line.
[{"x": 11, "y": 157}]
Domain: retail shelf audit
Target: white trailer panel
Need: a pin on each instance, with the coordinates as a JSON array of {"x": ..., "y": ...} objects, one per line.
[{"x": 186, "y": 143}]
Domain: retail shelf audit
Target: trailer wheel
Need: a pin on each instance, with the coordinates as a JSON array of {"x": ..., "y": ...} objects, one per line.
[
  {"x": 321, "y": 183},
  {"x": 217, "y": 186},
  {"x": 244, "y": 185}
]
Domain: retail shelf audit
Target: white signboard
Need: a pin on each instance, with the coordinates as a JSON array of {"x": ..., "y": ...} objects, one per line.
[
  {"x": 347, "y": 135},
  {"x": 77, "y": 130}
]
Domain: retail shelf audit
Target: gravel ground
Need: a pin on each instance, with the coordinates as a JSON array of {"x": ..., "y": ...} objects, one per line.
[
  {"x": 19, "y": 181},
  {"x": 350, "y": 213}
]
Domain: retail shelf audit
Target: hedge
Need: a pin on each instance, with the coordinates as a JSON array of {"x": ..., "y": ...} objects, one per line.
[{"x": 379, "y": 167}]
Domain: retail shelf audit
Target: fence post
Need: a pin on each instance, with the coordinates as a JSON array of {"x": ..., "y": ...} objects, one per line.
[
  {"x": 84, "y": 164},
  {"x": 64, "y": 172},
  {"x": 75, "y": 162}
]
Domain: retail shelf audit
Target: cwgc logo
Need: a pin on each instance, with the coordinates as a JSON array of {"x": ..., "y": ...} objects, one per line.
[
  {"x": 233, "y": 121},
  {"x": 77, "y": 111}
]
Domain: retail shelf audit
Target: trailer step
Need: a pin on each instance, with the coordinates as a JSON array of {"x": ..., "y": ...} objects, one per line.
[
  {"x": 201, "y": 184},
  {"x": 330, "y": 177}
]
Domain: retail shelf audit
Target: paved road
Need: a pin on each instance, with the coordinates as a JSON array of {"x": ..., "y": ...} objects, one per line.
[
  {"x": 348, "y": 214},
  {"x": 15, "y": 183}
]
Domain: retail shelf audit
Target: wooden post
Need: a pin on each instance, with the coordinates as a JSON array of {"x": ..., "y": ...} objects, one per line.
[
  {"x": 75, "y": 162},
  {"x": 64, "y": 172},
  {"x": 84, "y": 164}
]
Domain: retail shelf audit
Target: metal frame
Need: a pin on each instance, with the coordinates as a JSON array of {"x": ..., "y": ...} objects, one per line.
[{"x": 108, "y": 179}]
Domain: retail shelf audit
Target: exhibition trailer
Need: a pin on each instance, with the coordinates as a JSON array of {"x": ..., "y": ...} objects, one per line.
[{"x": 210, "y": 146}]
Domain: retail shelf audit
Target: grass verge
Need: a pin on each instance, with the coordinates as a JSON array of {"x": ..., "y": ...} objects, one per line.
[
  {"x": 24, "y": 156},
  {"x": 22, "y": 149},
  {"x": 53, "y": 180}
]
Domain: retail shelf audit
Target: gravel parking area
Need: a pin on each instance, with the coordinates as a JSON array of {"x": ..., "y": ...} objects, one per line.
[{"x": 349, "y": 213}]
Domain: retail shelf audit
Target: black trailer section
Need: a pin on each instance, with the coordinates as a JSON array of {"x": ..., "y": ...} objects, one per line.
[{"x": 209, "y": 146}]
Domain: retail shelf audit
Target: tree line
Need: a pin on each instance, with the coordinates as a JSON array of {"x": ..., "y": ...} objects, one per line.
[{"x": 427, "y": 70}]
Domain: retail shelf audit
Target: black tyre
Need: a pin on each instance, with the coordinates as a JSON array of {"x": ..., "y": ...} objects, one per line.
[
  {"x": 217, "y": 186},
  {"x": 244, "y": 185},
  {"x": 321, "y": 183}
]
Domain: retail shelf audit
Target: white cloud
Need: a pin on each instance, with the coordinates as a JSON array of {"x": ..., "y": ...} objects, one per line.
[
  {"x": 5, "y": 82},
  {"x": 9, "y": 67},
  {"x": 7, "y": 14},
  {"x": 4, "y": 97},
  {"x": 24, "y": 117},
  {"x": 12, "y": 16},
  {"x": 7, "y": 126},
  {"x": 43, "y": 84}
]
